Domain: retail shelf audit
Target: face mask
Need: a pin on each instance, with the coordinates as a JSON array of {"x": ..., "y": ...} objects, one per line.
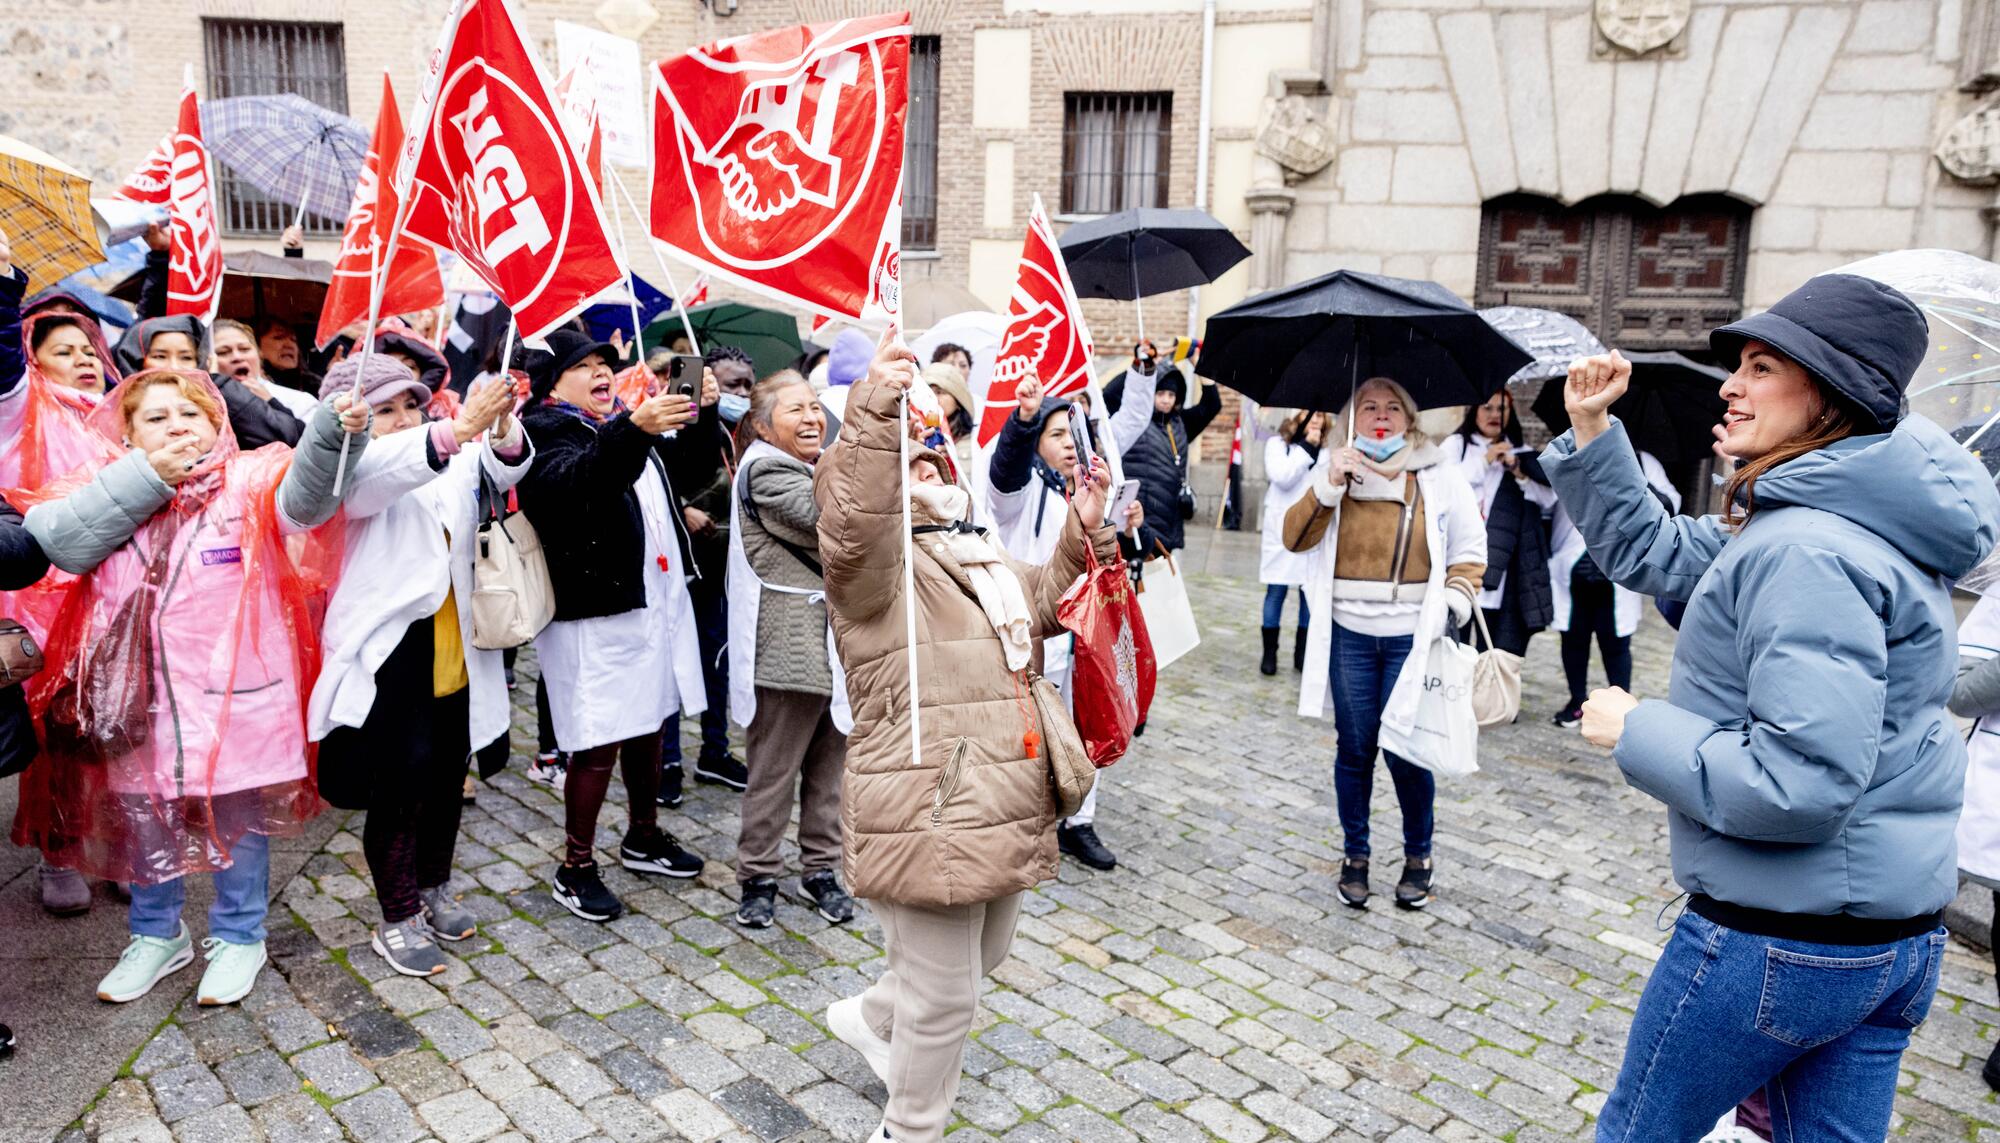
[
  {"x": 732, "y": 406},
  {"x": 1379, "y": 449}
]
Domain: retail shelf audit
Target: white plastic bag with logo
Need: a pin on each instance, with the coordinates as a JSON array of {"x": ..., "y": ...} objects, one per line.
[{"x": 1444, "y": 739}]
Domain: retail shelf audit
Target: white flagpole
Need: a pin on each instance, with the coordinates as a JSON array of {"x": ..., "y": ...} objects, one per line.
[
  {"x": 378, "y": 275},
  {"x": 507, "y": 350},
  {"x": 680, "y": 305},
  {"x": 909, "y": 575},
  {"x": 631, "y": 291}
]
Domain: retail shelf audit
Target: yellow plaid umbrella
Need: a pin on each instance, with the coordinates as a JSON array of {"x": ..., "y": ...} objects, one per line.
[{"x": 45, "y": 212}]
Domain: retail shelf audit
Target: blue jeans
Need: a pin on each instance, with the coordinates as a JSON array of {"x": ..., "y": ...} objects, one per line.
[
  {"x": 1821, "y": 1028},
  {"x": 711, "y": 618},
  {"x": 242, "y": 898},
  {"x": 1274, "y": 606},
  {"x": 1363, "y": 673}
]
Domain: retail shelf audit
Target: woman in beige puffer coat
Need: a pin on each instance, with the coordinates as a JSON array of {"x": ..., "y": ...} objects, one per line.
[{"x": 942, "y": 846}]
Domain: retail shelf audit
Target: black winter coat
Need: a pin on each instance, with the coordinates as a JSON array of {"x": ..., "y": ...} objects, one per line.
[
  {"x": 1159, "y": 460},
  {"x": 21, "y": 564},
  {"x": 256, "y": 421},
  {"x": 579, "y": 495},
  {"x": 1517, "y": 549}
]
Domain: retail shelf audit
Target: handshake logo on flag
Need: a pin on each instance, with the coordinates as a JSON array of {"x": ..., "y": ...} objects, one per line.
[
  {"x": 778, "y": 161},
  {"x": 779, "y": 151}
]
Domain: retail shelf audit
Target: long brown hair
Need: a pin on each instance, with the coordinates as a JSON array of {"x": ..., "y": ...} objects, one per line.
[{"x": 1834, "y": 421}]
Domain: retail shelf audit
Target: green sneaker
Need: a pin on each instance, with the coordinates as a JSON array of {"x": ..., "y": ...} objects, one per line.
[
  {"x": 144, "y": 963},
  {"x": 232, "y": 971}
]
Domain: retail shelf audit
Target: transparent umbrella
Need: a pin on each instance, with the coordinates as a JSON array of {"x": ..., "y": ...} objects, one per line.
[{"x": 1958, "y": 384}]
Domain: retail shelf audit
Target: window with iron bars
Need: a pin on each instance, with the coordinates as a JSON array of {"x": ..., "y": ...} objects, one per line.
[
  {"x": 920, "y": 146},
  {"x": 267, "y": 57},
  {"x": 1115, "y": 150}
]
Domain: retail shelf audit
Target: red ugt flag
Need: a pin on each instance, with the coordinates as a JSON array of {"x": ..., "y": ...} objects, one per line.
[
  {"x": 1045, "y": 336},
  {"x": 491, "y": 174},
  {"x": 414, "y": 282},
  {"x": 194, "y": 266},
  {"x": 778, "y": 162},
  {"x": 149, "y": 184}
]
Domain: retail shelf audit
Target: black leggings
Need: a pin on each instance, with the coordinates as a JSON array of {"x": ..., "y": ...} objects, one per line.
[
  {"x": 406, "y": 765},
  {"x": 589, "y": 780},
  {"x": 1594, "y": 612}
]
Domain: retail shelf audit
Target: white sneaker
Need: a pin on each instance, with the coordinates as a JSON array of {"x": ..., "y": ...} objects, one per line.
[
  {"x": 843, "y": 1019},
  {"x": 549, "y": 770},
  {"x": 881, "y": 1134}
]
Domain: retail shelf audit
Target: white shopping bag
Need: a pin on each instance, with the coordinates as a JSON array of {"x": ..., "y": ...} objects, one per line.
[
  {"x": 1445, "y": 736},
  {"x": 1163, "y": 600}
]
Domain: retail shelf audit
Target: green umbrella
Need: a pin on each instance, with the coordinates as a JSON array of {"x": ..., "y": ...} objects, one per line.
[{"x": 770, "y": 337}]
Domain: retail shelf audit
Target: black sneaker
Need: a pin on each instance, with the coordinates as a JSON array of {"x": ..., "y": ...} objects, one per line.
[
  {"x": 1991, "y": 1072},
  {"x": 1081, "y": 842},
  {"x": 1414, "y": 890},
  {"x": 1569, "y": 717},
  {"x": 828, "y": 897},
  {"x": 6, "y": 1041},
  {"x": 722, "y": 771},
  {"x": 1354, "y": 882},
  {"x": 659, "y": 853},
  {"x": 672, "y": 778},
  {"x": 580, "y": 890},
  {"x": 759, "y": 906}
]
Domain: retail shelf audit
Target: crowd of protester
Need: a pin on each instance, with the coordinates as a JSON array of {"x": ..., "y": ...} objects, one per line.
[{"x": 254, "y": 578}]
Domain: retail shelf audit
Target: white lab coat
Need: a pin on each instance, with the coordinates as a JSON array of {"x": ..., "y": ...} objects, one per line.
[
  {"x": 396, "y": 570},
  {"x": 1454, "y": 533},
  {"x": 1485, "y": 476},
  {"x": 1288, "y": 468},
  {"x": 614, "y": 677},
  {"x": 746, "y": 597},
  {"x": 1567, "y": 547},
  {"x": 1979, "y": 822}
]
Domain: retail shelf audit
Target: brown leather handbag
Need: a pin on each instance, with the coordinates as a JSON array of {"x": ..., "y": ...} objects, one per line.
[{"x": 20, "y": 656}]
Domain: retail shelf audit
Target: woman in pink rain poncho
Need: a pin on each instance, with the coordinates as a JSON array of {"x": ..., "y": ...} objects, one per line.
[
  {"x": 173, "y": 703},
  {"x": 54, "y": 369}
]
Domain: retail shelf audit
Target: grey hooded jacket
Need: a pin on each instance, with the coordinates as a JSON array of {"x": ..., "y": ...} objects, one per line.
[{"x": 1803, "y": 748}]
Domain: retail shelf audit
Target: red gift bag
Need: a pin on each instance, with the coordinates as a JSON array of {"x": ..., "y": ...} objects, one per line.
[{"x": 1112, "y": 659}]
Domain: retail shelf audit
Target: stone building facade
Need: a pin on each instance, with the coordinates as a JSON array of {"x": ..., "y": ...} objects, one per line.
[{"x": 1650, "y": 165}]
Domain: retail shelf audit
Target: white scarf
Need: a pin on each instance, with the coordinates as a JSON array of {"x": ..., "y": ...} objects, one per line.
[{"x": 993, "y": 582}]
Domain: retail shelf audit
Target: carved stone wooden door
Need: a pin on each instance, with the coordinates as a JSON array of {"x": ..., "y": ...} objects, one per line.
[{"x": 1637, "y": 276}]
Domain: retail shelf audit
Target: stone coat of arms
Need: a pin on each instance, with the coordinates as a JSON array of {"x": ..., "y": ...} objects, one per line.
[{"x": 1640, "y": 26}]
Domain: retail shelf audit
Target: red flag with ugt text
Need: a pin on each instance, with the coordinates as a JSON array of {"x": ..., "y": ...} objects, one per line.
[
  {"x": 491, "y": 175},
  {"x": 1045, "y": 337},
  {"x": 413, "y": 281},
  {"x": 149, "y": 184},
  {"x": 194, "y": 266},
  {"x": 778, "y": 162}
]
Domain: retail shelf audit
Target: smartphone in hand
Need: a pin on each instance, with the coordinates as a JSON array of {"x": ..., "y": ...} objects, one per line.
[{"x": 684, "y": 374}]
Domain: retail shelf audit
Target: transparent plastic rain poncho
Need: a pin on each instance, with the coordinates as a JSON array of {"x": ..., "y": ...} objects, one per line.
[
  {"x": 53, "y": 440},
  {"x": 178, "y": 669}
]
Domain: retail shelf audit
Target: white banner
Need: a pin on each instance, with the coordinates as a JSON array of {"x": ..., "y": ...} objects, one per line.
[{"x": 609, "y": 66}]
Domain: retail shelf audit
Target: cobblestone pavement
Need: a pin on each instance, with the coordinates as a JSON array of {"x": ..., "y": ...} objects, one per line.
[{"x": 1211, "y": 987}]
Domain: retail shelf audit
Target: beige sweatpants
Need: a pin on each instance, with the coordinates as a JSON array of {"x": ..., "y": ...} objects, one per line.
[
  {"x": 925, "y": 1003},
  {"x": 795, "y": 755}
]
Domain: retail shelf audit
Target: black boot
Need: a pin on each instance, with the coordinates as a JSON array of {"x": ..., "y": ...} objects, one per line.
[
  {"x": 1299, "y": 650},
  {"x": 1269, "y": 663}
]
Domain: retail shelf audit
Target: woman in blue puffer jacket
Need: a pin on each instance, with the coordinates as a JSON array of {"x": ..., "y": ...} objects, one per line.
[{"x": 1804, "y": 750}]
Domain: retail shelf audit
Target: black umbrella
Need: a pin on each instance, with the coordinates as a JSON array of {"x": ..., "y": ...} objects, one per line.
[
  {"x": 1135, "y": 254},
  {"x": 1670, "y": 410},
  {"x": 1308, "y": 346}
]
